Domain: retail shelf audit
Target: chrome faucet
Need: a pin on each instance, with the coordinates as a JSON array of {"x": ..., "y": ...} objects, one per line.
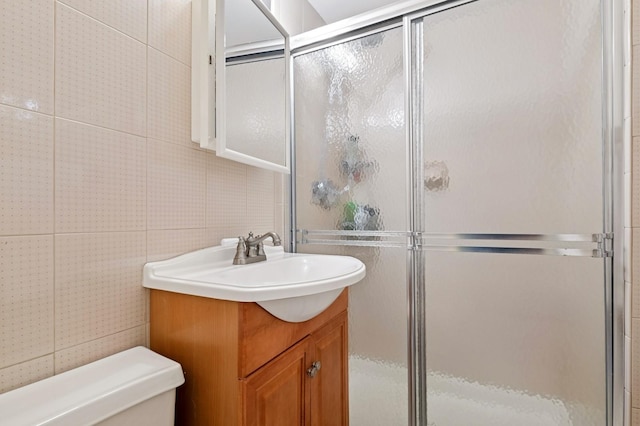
[{"x": 251, "y": 249}]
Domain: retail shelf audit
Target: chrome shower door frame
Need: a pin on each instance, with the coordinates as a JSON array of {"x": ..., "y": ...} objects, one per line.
[{"x": 615, "y": 53}]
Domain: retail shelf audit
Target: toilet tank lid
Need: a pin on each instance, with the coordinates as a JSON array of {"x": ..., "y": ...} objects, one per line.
[{"x": 93, "y": 392}]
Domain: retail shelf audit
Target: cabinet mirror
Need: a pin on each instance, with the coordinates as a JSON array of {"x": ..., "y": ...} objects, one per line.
[{"x": 251, "y": 85}]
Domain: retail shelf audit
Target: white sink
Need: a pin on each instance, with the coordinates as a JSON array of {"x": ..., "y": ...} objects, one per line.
[{"x": 294, "y": 287}]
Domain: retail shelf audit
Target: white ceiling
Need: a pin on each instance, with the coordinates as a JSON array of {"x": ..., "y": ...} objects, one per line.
[{"x": 335, "y": 10}]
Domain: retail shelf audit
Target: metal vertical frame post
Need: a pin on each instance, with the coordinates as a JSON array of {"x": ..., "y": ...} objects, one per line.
[
  {"x": 416, "y": 338},
  {"x": 613, "y": 59},
  {"x": 293, "y": 225}
]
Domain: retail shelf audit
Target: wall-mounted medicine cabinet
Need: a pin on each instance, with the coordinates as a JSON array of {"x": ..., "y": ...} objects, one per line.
[{"x": 240, "y": 87}]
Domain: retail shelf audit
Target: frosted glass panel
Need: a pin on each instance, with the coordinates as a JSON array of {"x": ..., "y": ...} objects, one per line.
[
  {"x": 378, "y": 386},
  {"x": 515, "y": 340},
  {"x": 349, "y": 130},
  {"x": 512, "y": 126},
  {"x": 256, "y": 109},
  {"x": 351, "y": 175},
  {"x": 512, "y": 116}
]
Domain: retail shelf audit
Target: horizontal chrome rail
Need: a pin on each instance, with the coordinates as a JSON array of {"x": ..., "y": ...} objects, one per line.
[
  {"x": 585, "y": 245},
  {"x": 355, "y": 238},
  {"x": 518, "y": 237},
  {"x": 517, "y": 250},
  {"x": 355, "y": 233},
  {"x": 357, "y": 243}
]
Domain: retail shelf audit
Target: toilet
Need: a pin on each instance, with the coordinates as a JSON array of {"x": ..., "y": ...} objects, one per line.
[{"x": 134, "y": 387}]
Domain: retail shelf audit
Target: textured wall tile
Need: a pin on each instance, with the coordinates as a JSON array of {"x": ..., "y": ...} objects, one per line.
[
  {"x": 280, "y": 187},
  {"x": 628, "y": 189},
  {"x": 627, "y": 362},
  {"x": 635, "y": 24},
  {"x": 635, "y": 367},
  {"x": 226, "y": 193},
  {"x": 279, "y": 223},
  {"x": 216, "y": 234},
  {"x": 26, "y": 172},
  {"x": 25, "y": 373},
  {"x": 100, "y": 179},
  {"x": 635, "y": 258},
  {"x": 170, "y": 28},
  {"x": 169, "y": 99},
  {"x": 26, "y": 54},
  {"x": 85, "y": 353},
  {"x": 635, "y": 93},
  {"x": 26, "y": 298},
  {"x": 635, "y": 277},
  {"x": 98, "y": 285},
  {"x": 105, "y": 86},
  {"x": 635, "y": 183},
  {"x": 176, "y": 186},
  {"x": 628, "y": 304},
  {"x": 165, "y": 244},
  {"x": 260, "y": 200},
  {"x": 128, "y": 16},
  {"x": 635, "y": 417}
]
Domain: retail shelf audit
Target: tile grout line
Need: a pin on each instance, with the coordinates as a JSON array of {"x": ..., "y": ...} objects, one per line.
[
  {"x": 147, "y": 298},
  {"x": 63, "y": 3},
  {"x": 53, "y": 322}
]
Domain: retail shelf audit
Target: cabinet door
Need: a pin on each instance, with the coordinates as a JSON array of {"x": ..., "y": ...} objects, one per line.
[
  {"x": 278, "y": 393},
  {"x": 329, "y": 386}
]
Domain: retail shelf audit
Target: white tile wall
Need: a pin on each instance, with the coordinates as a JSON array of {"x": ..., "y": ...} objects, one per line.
[
  {"x": 93, "y": 350},
  {"x": 635, "y": 93},
  {"x": 26, "y": 54},
  {"x": 89, "y": 188},
  {"x": 100, "y": 179},
  {"x": 632, "y": 218},
  {"x": 98, "y": 289},
  {"x": 100, "y": 74},
  {"x": 164, "y": 244},
  {"x": 25, "y": 373},
  {"x": 26, "y": 172},
  {"x": 627, "y": 408},
  {"x": 177, "y": 182},
  {"x": 635, "y": 183},
  {"x": 226, "y": 192},
  {"x": 169, "y": 99},
  {"x": 636, "y": 21},
  {"x": 26, "y": 302},
  {"x": 260, "y": 209},
  {"x": 170, "y": 28},
  {"x": 127, "y": 16}
]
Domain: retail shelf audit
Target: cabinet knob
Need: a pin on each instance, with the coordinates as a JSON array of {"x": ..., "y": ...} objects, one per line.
[{"x": 315, "y": 367}]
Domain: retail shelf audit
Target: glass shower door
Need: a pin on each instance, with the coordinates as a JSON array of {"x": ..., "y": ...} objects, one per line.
[
  {"x": 351, "y": 199},
  {"x": 511, "y": 213}
]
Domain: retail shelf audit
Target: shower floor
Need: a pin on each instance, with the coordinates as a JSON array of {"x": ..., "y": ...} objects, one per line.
[{"x": 378, "y": 397}]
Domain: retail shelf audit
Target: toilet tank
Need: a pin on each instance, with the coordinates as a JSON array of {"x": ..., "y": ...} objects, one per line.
[{"x": 134, "y": 387}]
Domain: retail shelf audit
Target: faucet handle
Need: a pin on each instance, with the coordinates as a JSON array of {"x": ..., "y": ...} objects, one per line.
[{"x": 241, "y": 252}]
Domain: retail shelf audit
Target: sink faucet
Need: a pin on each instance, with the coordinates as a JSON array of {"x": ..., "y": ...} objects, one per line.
[{"x": 251, "y": 249}]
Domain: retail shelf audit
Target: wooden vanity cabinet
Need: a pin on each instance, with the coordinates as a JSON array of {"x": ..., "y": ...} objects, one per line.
[{"x": 243, "y": 366}]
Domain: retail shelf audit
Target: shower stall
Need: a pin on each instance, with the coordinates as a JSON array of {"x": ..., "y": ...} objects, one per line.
[{"x": 469, "y": 152}]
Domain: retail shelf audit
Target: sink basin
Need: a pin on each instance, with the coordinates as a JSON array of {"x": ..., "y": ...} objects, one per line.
[{"x": 294, "y": 287}]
